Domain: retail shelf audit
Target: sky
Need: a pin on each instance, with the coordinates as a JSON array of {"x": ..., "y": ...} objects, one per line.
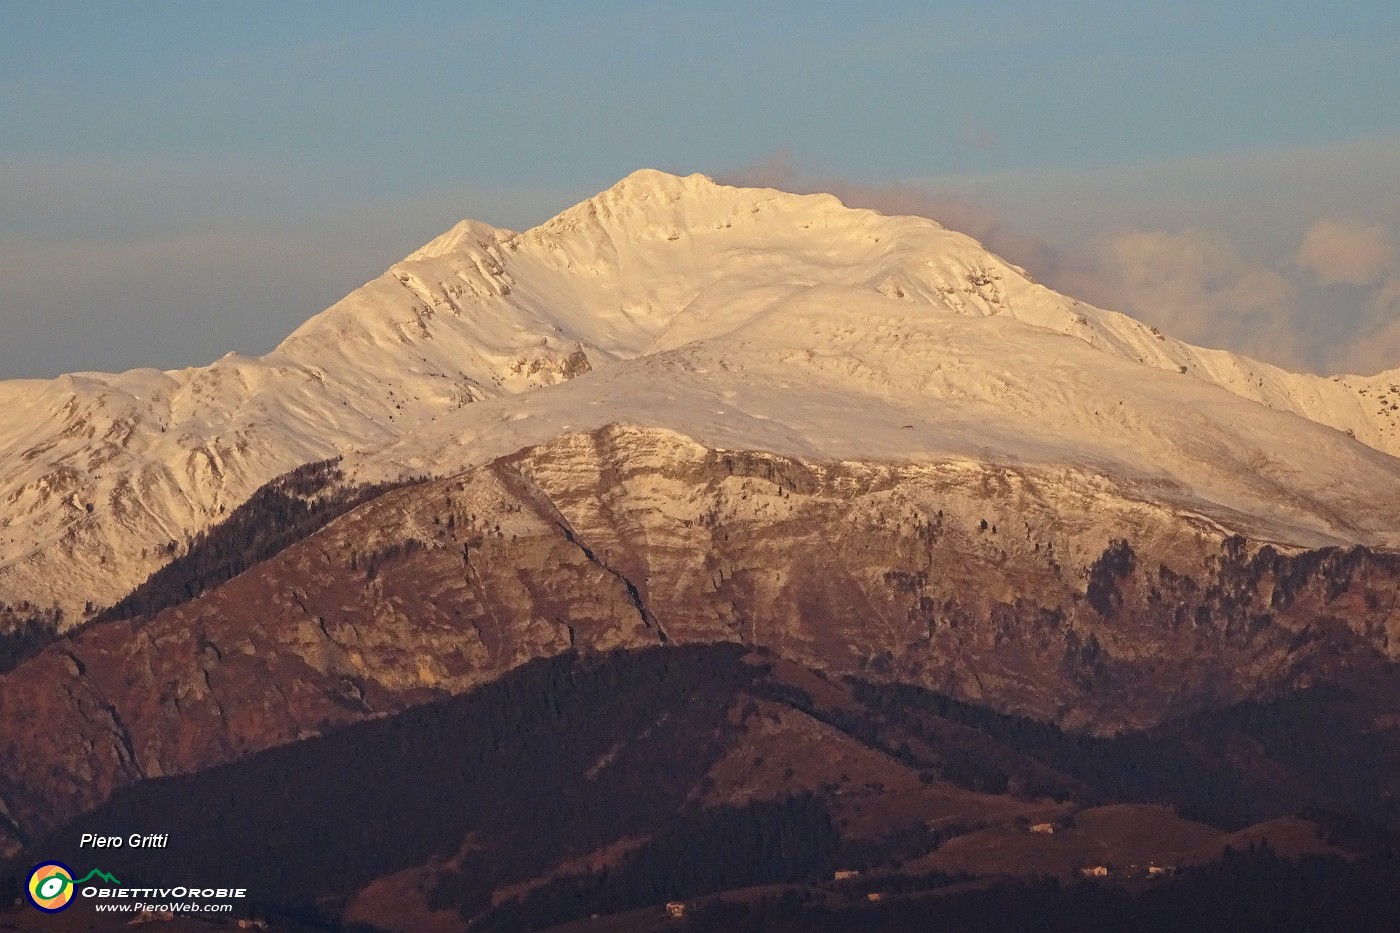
[{"x": 179, "y": 180}]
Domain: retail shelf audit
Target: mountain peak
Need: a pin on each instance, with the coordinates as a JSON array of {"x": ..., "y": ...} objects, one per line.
[
  {"x": 645, "y": 181},
  {"x": 463, "y": 234},
  {"x": 649, "y": 202},
  {"x": 745, "y": 317}
]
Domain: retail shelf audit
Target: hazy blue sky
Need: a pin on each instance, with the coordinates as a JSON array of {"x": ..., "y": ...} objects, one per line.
[{"x": 178, "y": 180}]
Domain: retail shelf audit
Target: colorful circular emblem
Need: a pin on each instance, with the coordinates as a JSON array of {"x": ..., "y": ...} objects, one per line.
[{"x": 51, "y": 887}]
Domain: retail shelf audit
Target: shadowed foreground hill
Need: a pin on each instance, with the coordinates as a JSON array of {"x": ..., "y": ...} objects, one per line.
[{"x": 612, "y": 783}]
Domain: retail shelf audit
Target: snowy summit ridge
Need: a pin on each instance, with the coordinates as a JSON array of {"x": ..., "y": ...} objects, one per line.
[{"x": 739, "y": 318}]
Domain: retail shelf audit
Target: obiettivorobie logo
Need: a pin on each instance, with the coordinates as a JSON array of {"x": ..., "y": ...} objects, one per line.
[{"x": 52, "y": 886}]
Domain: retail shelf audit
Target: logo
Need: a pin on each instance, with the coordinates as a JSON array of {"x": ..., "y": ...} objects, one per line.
[{"x": 51, "y": 885}]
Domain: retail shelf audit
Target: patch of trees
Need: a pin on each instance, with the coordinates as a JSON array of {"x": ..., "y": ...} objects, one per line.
[
  {"x": 24, "y": 631},
  {"x": 701, "y": 851},
  {"x": 1333, "y": 762},
  {"x": 894, "y": 849},
  {"x": 1230, "y": 596},
  {"x": 557, "y": 759},
  {"x": 281, "y": 513},
  {"x": 1114, "y": 564},
  {"x": 390, "y": 554},
  {"x": 893, "y": 720}
]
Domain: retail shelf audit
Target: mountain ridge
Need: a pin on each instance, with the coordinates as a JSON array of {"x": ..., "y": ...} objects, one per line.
[
  {"x": 624, "y": 539},
  {"x": 109, "y": 476}
]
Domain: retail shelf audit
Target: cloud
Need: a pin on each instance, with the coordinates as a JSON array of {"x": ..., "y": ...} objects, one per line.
[
  {"x": 1385, "y": 300},
  {"x": 1376, "y": 351},
  {"x": 1193, "y": 284},
  {"x": 1346, "y": 251},
  {"x": 780, "y": 171},
  {"x": 1197, "y": 286},
  {"x": 963, "y": 214},
  {"x": 1376, "y": 345}
]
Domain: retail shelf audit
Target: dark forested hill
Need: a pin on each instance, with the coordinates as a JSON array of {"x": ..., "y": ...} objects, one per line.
[{"x": 605, "y": 784}]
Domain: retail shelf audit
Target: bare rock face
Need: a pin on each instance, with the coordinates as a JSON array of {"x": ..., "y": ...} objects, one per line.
[{"x": 1053, "y": 594}]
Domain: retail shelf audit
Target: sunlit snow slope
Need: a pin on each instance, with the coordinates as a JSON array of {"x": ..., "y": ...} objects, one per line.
[{"x": 739, "y": 317}]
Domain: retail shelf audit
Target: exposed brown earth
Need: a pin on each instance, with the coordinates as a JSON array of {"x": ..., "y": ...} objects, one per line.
[{"x": 995, "y": 584}]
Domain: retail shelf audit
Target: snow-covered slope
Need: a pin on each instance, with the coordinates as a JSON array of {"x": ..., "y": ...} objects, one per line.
[{"x": 740, "y": 317}]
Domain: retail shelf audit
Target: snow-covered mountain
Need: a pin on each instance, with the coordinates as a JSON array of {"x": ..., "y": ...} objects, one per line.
[{"x": 742, "y": 318}]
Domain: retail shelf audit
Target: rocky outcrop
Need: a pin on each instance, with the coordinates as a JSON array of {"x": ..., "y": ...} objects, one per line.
[{"x": 1054, "y": 594}]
